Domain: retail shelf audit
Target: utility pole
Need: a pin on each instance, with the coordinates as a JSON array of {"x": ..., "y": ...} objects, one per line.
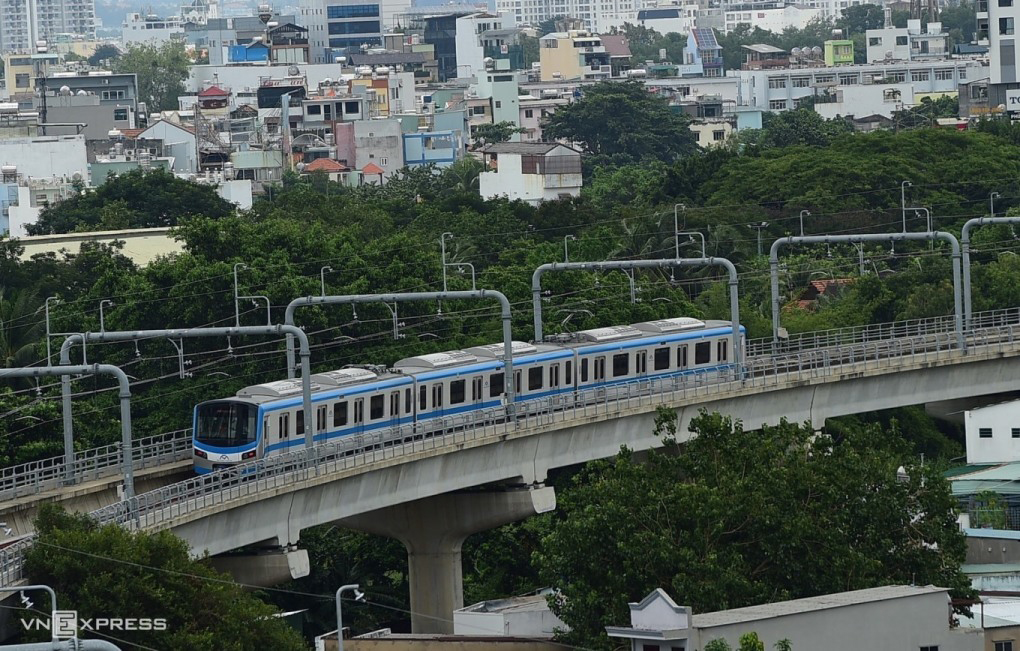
[{"x": 760, "y": 226}]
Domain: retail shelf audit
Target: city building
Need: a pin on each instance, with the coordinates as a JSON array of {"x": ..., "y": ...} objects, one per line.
[
  {"x": 23, "y": 23},
  {"x": 770, "y": 16},
  {"x": 760, "y": 56},
  {"x": 484, "y": 35},
  {"x": 993, "y": 433},
  {"x": 150, "y": 29},
  {"x": 704, "y": 50},
  {"x": 376, "y": 143},
  {"x": 217, "y": 35},
  {"x": 908, "y": 43},
  {"x": 889, "y": 617},
  {"x": 780, "y": 89},
  {"x": 864, "y": 101},
  {"x": 680, "y": 19},
  {"x": 533, "y": 113},
  {"x": 527, "y": 616},
  {"x": 838, "y": 52},
  {"x": 532, "y": 172},
  {"x": 573, "y": 55},
  {"x": 23, "y": 71},
  {"x": 45, "y": 156},
  {"x": 439, "y": 148},
  {"x": 116, "y": 90},
  {"x": 86, "y": 114}
]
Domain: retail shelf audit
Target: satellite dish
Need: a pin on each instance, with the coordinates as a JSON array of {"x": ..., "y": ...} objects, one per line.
[
  {"x": 888, "y": 54},
  {"x": 300, "y": 167},
  {"x": 293, "y": 71},
  {"x": 795, "y": 51}
]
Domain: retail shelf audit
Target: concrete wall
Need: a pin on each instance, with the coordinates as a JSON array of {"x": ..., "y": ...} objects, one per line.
[
  {"x": 875, "y": 625},
  {"x": 45, "y": 156},
  {"x": 983, "y": 550},
  {"x": 177, "y": 142},
  {"x": 862, "y": 101},
  {"x": 379, "y": 142},
  {"x": 142, "y": 245},
  {"x": 1004, "y": 422}
]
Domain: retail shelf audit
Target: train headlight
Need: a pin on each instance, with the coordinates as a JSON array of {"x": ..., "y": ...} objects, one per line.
[
  {"x": 200, "y": 454},
  {"x": 249, "y": 455}
]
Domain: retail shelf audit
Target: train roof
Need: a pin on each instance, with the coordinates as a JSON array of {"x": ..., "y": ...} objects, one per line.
[
  {"x": 668, "y": 327},
  {"x": 325, "y": 381},
  {"x": 473, "y": 355}
]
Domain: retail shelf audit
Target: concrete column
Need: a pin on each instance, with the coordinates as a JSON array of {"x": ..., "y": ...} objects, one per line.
[
  {"x": 434, "y": 529},
  {"x": 265, "y": 568}
]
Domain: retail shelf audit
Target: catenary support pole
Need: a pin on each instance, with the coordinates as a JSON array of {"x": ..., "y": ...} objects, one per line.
[
  {"x": 125, "y": 409},
  {"x": 965, "y": 244},
  {"x": 508, "y": 360},
  {"x": 859, "y": 239},
  {"x": 188, "y": 333},
  {"x": 536, "y": 286}
]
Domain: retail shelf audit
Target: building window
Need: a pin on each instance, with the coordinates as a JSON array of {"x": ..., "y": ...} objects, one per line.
[
  {"x": 528, "y": 113},
  {"x": 1006, "y": 26},
  {"x": 384, "y": 161},
  {"x": 875, "y": 41},
  {"x": 120, "y": 114},
  {"x": 1016, "y": 432},
  {"x": 934, "y": 647},
  {"x": 985, "y": 432},
  {"x": 352, "y": 11},
  {"x": 801, "y": 82},
  {"x": 979, "y": 92},
  {"x": 947, "y": 73},
  {"x": 477, "y": 110},
  {"x": 901, "y": 40},
  {"x": 697, "y": 136},
  {"x": 848, "y": 80},
  {"x": 779, "y": 82},
  {"x": 824, "y": 79},
  {"x": 718, "y": 135},
  {"x": 919, "y": 75},
  {"x": 314, "y": 109},
  {"x": 1005, "y": 3},
  {"x": 897, "y": 77},
  {"x": 499, "y": 104},
  {"x": 1005, "y": 645},
  {"x": 777, "y": 105}
]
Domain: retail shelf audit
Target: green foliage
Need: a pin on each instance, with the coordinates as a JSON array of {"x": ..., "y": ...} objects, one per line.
[
  {"x": 788, "y": 128},
  {"x": 927, "y": 112},
  {"x": 621, "y": 122},
  {"x": 959, "y": 21},
  {"x": 751, "y": 642},
  {"x": 989, "y": 511},
  {"x": 487, "y": 134},
  {"x": 860, "y": 18},
  {"x": 814, "y": 33},
  {"x": 107, "y": 571},
  {"x": 783, "y": 645},
  {"x": 105, "y": 52},
  {"x": 162, "y": 71},
  {"x": 645, "y": 43},
  {"x": 733, "y": 518},
  {"x": 135, "y": 199},
  {"x": 718, "y": 644}
]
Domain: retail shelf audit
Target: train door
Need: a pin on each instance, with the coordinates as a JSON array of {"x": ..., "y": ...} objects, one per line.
[
  {"x": 599, "y": 376},
  {"x": 394, "y": 410},
  {"x": 437, "y": 399},
  {"x": 320, "y": 423},
  {"x": 641, "y": 363},
  {"x": 358, "y": 416},
  {"x": 264, "y": 440},
  {"x": 477, "y": 397}
]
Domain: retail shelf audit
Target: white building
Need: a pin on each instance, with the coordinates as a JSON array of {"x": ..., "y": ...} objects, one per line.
[
  {"x": 993, "y": 433},
  {"x": 532, "y": 172},
  {"x": 150, "y": 29},
  {"x": 831, "y": 8},
  {"x": 24, "y": 22},
  {"x": 772, "y": 17},
  {"x": 474, "y": 32},
  {"x": 890, "y": 617},
  {"x": 907, "y": 43},
  {"x": 533, "y": 112},
  {"x": 597, "y": 15},
  {"x": 45, "y": 156},
  {"x": 779, "y": 89},
  {"x": 523, "y": 617},
  {"x": 865, "y": 101},
  {"x": 179, "y": 142}
]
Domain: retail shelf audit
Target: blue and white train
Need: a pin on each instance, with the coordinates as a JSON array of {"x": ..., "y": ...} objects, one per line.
[{"x": 267, "y": 419}]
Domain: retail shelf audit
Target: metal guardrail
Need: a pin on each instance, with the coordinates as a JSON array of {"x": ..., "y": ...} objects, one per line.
[
  {"x": 95, "y": 463},
  {"x": 802, "y": 358}
]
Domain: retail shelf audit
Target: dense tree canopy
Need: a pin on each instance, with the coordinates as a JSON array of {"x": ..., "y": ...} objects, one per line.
[
  {"x": 734, "y": 518},
  {"x": 135, "y": 199},
  {"x": 162, "y": 71},
  {"x": 621, "y": 122},
  {"x": 107, "y": 571}
]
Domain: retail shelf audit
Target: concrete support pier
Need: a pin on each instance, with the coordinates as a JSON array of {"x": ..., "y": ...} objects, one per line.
[
  {"x": 434, "y": 529},
  {"x": 265, "y": 568}
]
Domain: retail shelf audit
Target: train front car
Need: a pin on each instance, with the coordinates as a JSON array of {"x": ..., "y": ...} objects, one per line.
[{"x": 225, "y": 434}]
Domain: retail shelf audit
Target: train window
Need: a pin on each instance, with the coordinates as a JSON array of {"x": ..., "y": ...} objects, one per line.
[
  {"x": 407, "y": 401},
  {"x": 568, "y": 375},
  {"x": 621, "y": 364},
  {"x": 535, "y": 378},
  {"x": 584, "y": 370},
  {"x": 265, "y": 426},
  {"x": 284, "y": 426},
  {"x": 457, "y": 392},
  {"x": 394, "y": 403},
  {"x": 375, "y": 407},
  {"x": 359, "y": 410},
  {"x": 641, "y": 362},
  {"x": 495, "y": 384},
  {"x": 517, "y": 381},
  {"x": 340, "y": 414},
  {"x": 437, "y": 396},
  {"x": 600, "y": 368},
  {"x": 476, "y": 388},
  {"x": 299, "y": 422},
  {"x": 681, "y": 356},
  {"x": 554, "y": 376},
  {"x": 720, "y": 352},
  {"x": 702, "y": 352},
  {"x": 422, "y": 392},
  {"x": 660, "y": 360},
  {"x": 320, "y": 419}
]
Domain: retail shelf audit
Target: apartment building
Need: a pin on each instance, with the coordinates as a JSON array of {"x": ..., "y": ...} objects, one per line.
[{"x": 24, "y": 22}]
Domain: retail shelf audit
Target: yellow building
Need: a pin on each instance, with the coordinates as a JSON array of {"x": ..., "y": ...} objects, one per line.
[
  {"x": 21, "y": 71},
  {"x": 573, "y": 55}
]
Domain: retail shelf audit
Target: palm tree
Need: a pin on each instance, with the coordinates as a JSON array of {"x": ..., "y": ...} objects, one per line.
[{"x": 20, "y": 326}]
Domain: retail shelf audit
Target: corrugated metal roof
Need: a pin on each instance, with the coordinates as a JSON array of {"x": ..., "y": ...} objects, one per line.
[
  {"x": 523, "y": 148},
  {"x": 762, "y": 48},
  {"x": 822, "y": 602}
]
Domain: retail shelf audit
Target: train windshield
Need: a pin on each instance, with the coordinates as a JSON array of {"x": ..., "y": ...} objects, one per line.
[{"x": 226, "y": 424}]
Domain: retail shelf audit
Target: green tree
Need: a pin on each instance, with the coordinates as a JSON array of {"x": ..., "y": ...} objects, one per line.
[
  {"x": 487, "y": 134},
  {"x": 21, "y": 326},
  {"x": 989, "y": 511},
  {"x": 107, "y": 571},
  {"x": 105, "y": 52},
  {"x": 135, "y": 199},
  {"x": 961, "y": 19},
  {"x": 161, "y": 70},
  {"x": 734, "y": 518},
  {"x": 860, "y": 18},
  {"x": 799, "y": 127},
  {"x": 718, "y": 644},
  {"x": 751, "y": 642},
  {"x": 619, "y": 123}
]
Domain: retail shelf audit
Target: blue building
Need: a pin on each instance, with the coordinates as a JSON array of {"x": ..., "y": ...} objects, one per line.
[
  {"x": 442, "y": 148},
  {"x": 353, "y": 23}
]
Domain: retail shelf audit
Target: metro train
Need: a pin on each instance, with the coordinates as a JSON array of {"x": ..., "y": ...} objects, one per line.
[{"x": 268, "y": 419}]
